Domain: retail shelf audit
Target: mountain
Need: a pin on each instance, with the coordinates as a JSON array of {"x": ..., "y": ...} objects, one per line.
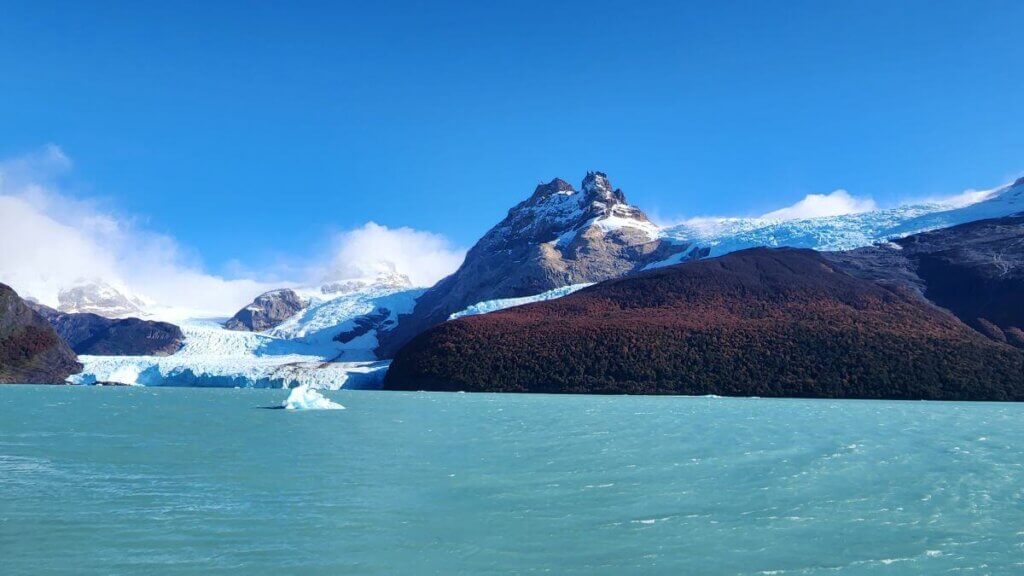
[
  {"x": 99, "y": 298},
  {"x": 31, "y": 352},
  {"x": 758, "y": 322},
  {"x": 717, "y": 236},
  {"x": 557, "y": 237},
  {"x": 975, "y": 270},
  {"x": 93, "y": 334},
  {"x": 266, "y": 311}
]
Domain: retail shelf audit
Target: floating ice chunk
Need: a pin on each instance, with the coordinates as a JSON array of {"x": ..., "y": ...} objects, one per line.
[
  {"x": 305, "y": 398},
  {"x": 127, "y": 374}
]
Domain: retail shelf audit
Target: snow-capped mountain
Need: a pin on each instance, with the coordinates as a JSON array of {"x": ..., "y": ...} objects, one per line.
[
  {"x": 559, "y": 236},
  {"x": 328, "y": 344},
  {"x": 385, "y": 280},
  {"x": 550, "y": 245},
  {"x": 717, "y": 236},
  {"x": 100, "y": 298},
  {"x": 547, "y": 244}
]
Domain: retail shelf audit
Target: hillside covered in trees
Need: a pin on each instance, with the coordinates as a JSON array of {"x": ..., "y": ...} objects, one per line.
[{"x": 760, "y": 322}]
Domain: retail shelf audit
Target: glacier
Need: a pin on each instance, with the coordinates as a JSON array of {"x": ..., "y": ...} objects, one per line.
[
  {"x": 488, "y": 306},
  {"x": 709, "y": 237},
  {"x": 301, "y": 351},
  {"x": 330, "y": 344},
  {"x": 718, "y": 236}
]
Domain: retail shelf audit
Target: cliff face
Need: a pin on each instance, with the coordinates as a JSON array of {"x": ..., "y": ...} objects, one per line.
[
  {"x": 759, "y": 322},
  {"x": 31, "y": 352},
  {"x": 974, "y": 270},
  {"x": 267, "y": 311},
  {"x": 93, "y": 334},
  {"x": 557, "y": 237}
]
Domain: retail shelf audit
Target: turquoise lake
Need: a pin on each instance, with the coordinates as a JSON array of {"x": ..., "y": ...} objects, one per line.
[{"x": 187, "y": 481}]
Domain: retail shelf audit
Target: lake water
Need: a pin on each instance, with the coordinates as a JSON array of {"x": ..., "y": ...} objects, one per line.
[{"x": 186, "y": 481}]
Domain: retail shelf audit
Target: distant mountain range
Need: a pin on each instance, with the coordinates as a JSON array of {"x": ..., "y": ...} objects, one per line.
[{"x": 555, "y": 243}]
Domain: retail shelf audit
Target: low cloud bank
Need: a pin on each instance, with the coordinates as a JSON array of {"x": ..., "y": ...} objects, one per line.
[
  {"x": 837, "y": 203},
  {"x": 51, "y": 240},
  {"x": 425, "y": 257}
]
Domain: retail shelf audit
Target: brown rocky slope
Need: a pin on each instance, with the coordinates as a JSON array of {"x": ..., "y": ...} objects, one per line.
[
  {"x": 760, "y": 322},
  {"x": 31, "y": 352}
]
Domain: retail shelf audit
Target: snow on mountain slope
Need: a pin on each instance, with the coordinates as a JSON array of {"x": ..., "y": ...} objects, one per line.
[
  {"x": 723, "y": 235},
  {"x": 322, "y": 320},
  {"x": 301, "y": 351},
  {"x": 503, "y": 303},
  {"x": 100, "y": 298}
]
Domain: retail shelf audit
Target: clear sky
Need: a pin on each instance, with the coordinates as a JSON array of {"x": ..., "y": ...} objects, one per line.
[{"x": 250, "y": 131}]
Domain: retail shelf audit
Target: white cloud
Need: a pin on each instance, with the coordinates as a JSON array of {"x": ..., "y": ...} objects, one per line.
[
  {"x": 50, "y": 240},
  {"x": 837, "y": 203},
  {"x": 425, "y": 257},
  {"x": 965, "y": 198}
]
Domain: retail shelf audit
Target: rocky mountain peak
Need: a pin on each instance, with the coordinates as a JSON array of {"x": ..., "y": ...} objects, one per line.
[
  {"x": 556, "y": 186},
  {"x": 267, "y": 311},
  {"x": 556, "y": 209},
  {"x": 599, "y": 189},
  {"x": 557, "y": 237}
]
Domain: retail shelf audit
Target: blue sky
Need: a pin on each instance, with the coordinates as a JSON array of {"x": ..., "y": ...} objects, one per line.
[{"x": 252, "y": 133}]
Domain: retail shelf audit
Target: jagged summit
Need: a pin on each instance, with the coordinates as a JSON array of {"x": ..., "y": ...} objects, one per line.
[
  {"x": 596, "y": 185},
  {"x": 556, "y": 186},
  {"x": 556, "y": 209}
]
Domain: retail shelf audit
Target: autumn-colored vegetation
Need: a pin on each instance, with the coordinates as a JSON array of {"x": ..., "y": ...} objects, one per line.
[{"x": 759, "y": 322}]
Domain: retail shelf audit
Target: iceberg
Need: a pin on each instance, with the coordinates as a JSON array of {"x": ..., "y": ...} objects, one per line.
[{"x": 305, "y": 398}]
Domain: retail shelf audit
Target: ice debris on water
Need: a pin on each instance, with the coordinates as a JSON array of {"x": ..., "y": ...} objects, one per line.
[{"x": 305, "y": 398}]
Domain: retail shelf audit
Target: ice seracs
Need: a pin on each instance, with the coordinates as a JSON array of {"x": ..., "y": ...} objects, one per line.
[{"x": 717, "y": 236}]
